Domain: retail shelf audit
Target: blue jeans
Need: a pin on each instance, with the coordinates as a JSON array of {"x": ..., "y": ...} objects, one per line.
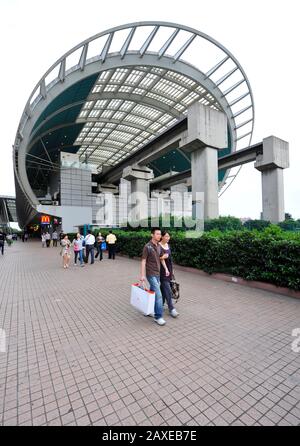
[
  {"x": 80, "y": 255},
  {"x": 154, "y": 282},
  {"x": 167, "y": 293}
]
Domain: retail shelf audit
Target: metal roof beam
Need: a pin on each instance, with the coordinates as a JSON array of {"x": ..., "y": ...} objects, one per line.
[
  {"x": 83, "y": 56},
  {"x": 148, "y": 41},
  {"x": 127, "y": 43},
  {"x": 184, "y": 48},
  {"x": 164, "y": 48}
]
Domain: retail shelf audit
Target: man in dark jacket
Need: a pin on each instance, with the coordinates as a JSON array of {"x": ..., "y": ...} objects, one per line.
[{"x": 2, "y": 240}]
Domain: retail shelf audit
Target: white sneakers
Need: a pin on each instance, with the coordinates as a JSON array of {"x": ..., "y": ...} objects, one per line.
[
  {"x": 160, "y": 321},
  {"x": 174, "y": 313}
]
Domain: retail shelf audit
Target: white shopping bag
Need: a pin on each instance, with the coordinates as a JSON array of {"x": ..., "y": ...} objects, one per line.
[{"x": 142, "y": 299}]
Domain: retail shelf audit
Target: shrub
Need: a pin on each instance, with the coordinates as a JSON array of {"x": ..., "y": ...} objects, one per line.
[{"x": 271, "y": 255}]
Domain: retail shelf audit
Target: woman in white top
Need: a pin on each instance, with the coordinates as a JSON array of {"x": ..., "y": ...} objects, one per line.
[
  {"x": 66, "y": 251},
  {"x": 43, "y": 240}
]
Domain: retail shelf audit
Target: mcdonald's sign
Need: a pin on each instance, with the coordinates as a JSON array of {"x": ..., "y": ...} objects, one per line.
[{"x": 45, "y": 220}]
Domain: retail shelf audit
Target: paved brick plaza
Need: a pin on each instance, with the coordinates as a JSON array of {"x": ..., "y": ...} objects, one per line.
[{"x": 78, "y": 354}]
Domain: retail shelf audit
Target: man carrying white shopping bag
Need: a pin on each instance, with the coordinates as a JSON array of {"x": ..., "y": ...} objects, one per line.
[
  {"x": 151, "y": 270},
  {"x": 142, "y": 299}
]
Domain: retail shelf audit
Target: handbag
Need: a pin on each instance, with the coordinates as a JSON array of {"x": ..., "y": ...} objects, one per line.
[
  {"x": 142, "y": 299},
  {"x": 175, "y": 288},
  {"x": 103, "y": 246}
]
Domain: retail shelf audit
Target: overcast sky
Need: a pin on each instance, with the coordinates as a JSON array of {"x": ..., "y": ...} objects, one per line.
[{"x": 262, "y": 34}]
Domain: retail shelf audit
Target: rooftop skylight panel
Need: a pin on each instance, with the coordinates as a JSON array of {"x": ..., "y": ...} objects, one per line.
[
  {"x": 138, "y": 120},
  {"x": 97, "y": 88},
  {"x": 88, "y": 104},
  {"x": 146, "y": 111},
  {"x": 114, "y": 143},
  {"x": 83, "y": 114},
  {"x": 134, "y": 77},
  {"x": 104, "y": 75},
  {"x": 127, "y": 128},
  {"x": 139, "y": 91},
  {"x": 154, "y": 126},
  {"x": 124, "y": 89},
  {"x": 115, "y": 103},
  {"x": 179, "y": 107},
  {"x": 107, "y": 114},
  {"x": 157, "y": 70},
  {"x": 119, "y": 75},
  {"x": 119, "y": 115},
  {"x": 160, "y": 98},
  {"x": 94, "y": 113},
  {"x": 191, "y": 97},
  {"x": 110, "y": 87},
  {"x": 148, "y": 80},
  {"x": 127, "y": 105},
  {"x": 101, "y": 103}
]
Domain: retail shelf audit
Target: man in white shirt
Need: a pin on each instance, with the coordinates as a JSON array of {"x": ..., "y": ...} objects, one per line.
[{"x": 89, "y": 246}]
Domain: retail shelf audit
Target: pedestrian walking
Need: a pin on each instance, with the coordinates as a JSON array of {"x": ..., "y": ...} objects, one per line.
[
  {"x": 99, "y": 241},
  {"x": 166, "y": 273},
  {"x": 54, "y": 238},
  {"x": 2, "y": 241},
  {"x": 66, "y": 251},
  {"x": 151, "y": 264},
  {"x": 89, "y": 246},
  {"x": 43, "y": 237},
  {"x": 78, "y": 249},
  {"x": 48, "y": 239},
  {"x": 111, "y": 245}
]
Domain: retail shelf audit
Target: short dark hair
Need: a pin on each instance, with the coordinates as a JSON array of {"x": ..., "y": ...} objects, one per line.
[
  {"x": 89, "y": 231},
  {"x": 164, "y": 232},
  {"x": 154, "y": 229}
]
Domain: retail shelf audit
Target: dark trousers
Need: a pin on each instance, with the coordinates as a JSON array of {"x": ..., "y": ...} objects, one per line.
[
  {"x": 166, "y": 293},
  {"x": 2, "y": 247},
  {"x": 111, "y": 251},
  {"x": 54, "y": 242},
  {"x": 99, "y": 252},
  {"x": 48, "y": 243},
  {"x": 89, "y": 249}
]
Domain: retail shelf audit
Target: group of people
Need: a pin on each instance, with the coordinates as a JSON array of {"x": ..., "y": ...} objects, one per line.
[
  {"x": 46, "y": 239},
  {"x": 157, "y": 268},
  {"x": 84, "y": 248}
]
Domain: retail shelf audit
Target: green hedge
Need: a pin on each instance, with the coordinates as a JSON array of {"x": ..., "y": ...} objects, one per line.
[{"x": 271, "y": 255}]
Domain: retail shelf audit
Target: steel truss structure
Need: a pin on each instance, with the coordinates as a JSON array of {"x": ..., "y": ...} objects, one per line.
[{"x": 114, "y": 92}]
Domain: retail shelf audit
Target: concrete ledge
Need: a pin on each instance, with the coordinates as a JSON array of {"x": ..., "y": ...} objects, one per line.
[{"x": 234, "y": 279}]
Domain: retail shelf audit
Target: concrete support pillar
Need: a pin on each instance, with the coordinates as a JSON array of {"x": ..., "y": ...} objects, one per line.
[
  {"x": 207, "y": 132},
  {"x": 139, "y": 177},
  {"x": 270, "y": 163},
  {"x": 205, "y": 179}
]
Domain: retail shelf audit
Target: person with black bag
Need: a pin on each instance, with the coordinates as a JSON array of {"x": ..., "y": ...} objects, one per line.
[
  {"x": 166, "y": 274},
  {"x": 99, "y": 241}
]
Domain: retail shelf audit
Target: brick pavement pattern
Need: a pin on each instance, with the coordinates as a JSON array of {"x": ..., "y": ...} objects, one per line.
[{"x": 79, "y": 354}]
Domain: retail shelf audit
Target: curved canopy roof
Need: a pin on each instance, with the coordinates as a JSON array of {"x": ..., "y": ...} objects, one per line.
[{"x": 114, "y": 92}]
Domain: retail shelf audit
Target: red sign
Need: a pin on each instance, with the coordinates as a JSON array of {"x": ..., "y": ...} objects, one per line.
[{"x": 45, "y": 220}]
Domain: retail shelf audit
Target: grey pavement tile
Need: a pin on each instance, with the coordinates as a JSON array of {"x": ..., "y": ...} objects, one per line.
[{"x": 83, "y": 361}]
